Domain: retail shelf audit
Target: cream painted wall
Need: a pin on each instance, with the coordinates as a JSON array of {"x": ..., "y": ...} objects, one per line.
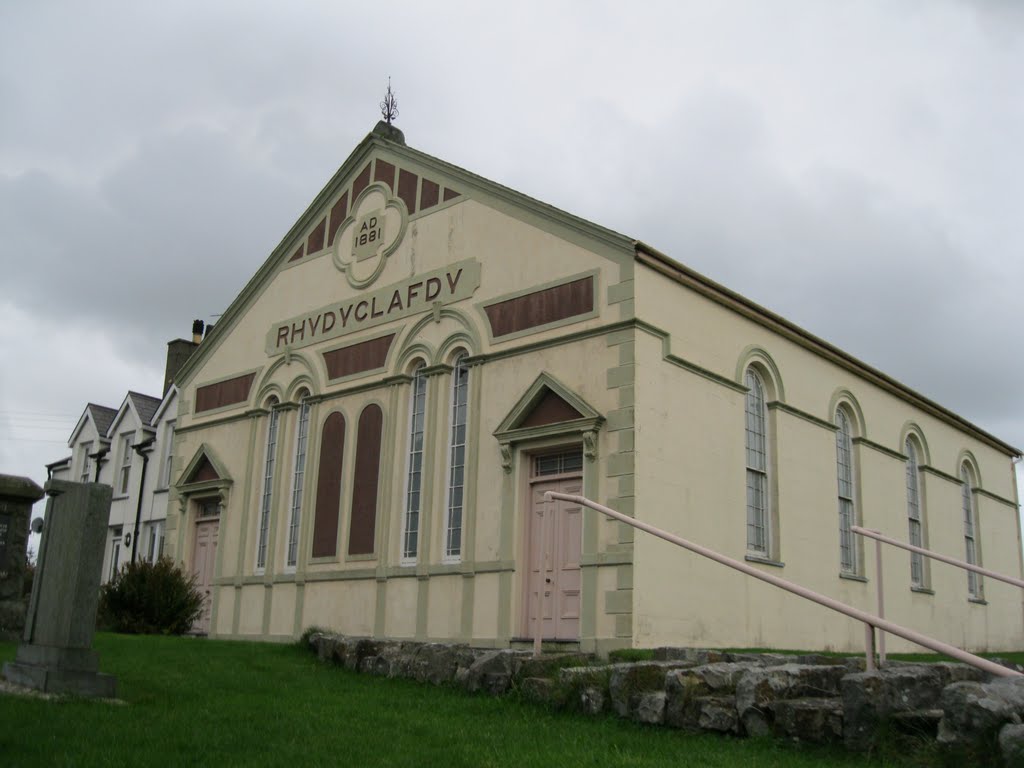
[{"x": 691, "y": 480}]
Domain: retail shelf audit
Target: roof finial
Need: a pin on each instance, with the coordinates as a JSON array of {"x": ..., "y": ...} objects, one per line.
[{"x": 389, "y": 107}]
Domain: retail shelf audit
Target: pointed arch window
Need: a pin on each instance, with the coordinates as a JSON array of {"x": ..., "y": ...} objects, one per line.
[
  {"x": 457, "y": 459},
  {"x": 914, "y": 513},
  {"x": 758, "y": 531},
  {"x": 268, "y": 484},
  {"x": 414, "y": 476},
  {"x": 844, "y": 471},
  {"x": 970, "y": 517},
  {"x": 298, "y": 475}
]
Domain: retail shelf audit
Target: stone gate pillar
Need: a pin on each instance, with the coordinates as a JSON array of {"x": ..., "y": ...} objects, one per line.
[
  {"x": 57, "y": 654},
  {"x": 17, "y": 495}
]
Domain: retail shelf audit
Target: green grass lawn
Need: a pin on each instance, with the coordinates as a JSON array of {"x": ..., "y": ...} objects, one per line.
[{"x": 207, "y": 702}]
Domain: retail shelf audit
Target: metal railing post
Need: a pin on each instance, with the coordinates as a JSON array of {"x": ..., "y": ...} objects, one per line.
[
  {"x": 847, "y": 610},
  {"x": 881, "y": 601},
  {"x": 869, "y": 647}
]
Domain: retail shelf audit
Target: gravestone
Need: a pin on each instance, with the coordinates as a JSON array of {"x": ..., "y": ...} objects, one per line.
[
  {"x": 17, "y": 495},
  {"x": 56, "y": 654}
]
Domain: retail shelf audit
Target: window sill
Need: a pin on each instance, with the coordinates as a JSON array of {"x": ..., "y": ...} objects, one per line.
[
  {"x": 922, "y": 590},
  {"x": 161, "y": 490},
  {"x": 119, "y": 497},
  {"x": 363, "y": 558},
  {"x": 764, "y": 561},
  {"x": 978, "y": 600},
  {"x": 853, "y": 577}
]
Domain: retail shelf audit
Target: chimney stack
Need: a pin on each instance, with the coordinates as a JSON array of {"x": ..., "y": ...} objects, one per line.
[{"x": 197, "y": 331}]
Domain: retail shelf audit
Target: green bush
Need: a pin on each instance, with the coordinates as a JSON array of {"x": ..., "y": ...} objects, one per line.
[{"x": 151, "y": 598}]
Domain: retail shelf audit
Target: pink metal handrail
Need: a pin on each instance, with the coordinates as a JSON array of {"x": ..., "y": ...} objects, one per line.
[
  {"x": 878, "y": 536},
  {"x": 868, "y": 619}
]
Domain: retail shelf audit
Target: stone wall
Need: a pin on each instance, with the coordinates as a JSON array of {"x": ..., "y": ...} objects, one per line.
[{"x": 812, "y": 698}]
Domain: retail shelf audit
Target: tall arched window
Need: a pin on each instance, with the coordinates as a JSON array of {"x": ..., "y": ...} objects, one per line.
[
  {"x": 844, "y": 472},
  {"x": 268, "y": 483},
  {"x": 414, "y": 477},
  {"x": 328, "y": 486},
  {"x": 970, "y": 528},
  {"x": 758, "y": 532},
  {"x": 456, "y": 459},
  {"x": 916, "y": 538},
  {"x": 298, "y": 474}
]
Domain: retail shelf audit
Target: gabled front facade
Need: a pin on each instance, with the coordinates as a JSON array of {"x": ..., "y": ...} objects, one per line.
[{"x": 364, "y": 441}]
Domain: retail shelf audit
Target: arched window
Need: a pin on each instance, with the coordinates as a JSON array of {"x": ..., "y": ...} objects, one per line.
[
  {"x": 363, "y": 523},
  {"x": 268, "y": 483},
  {"x": 758, "y": 531},
  {"x": 456, "y": 459},
  {"x": 844, "y": 472},
  {"x": 414, "y": 476},
  {"x": 298, "y": 474},
  {"x": 914, "y": 513},
  {"x": 328, "y": 486},
  {"x": 970, "y": 528}
]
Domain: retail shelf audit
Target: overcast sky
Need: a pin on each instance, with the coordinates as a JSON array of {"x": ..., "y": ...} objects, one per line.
[{"x": 855, "y": 166}]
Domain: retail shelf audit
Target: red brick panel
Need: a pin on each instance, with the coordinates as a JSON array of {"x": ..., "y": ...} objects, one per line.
[
  {"x": 429, "y": 194},
  {"x": 338, "y": 213},
  {"x": 541, "y": 307},
  {"x": 362, "y": 182},
  {"x": 223, "y": 393},
  {"x": 356, "y": 358},
  {"x": 550, "y": 409},
  {"x": 407, "y": 189},
  {"x": 385, "y": 172}
]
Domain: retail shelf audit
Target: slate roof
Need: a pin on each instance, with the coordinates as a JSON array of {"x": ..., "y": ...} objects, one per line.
[
  {"x": 145, "y": 406},
  {"x": 102, "y": 417}
]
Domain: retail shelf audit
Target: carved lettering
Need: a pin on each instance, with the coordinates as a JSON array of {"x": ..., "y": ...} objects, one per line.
[
  {"x": 396, "y": 302},
  {"x": 413, "y": 291},
  {"x": 433, "y": 288},
  {"x": 420, "y": 294},
  {"x": 452, "y": 283}
]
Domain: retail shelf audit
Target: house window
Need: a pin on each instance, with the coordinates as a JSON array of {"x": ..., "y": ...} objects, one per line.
[
  {"x": 126, "y": 463},
  {"x": 457, "y": 459},
  {"x": 914, "y": 514},
  {"x": 411, "y": 520},
  {"x": 115, "y": 553},
  {"x": 844, "y": 471},
  {"x": 156, "y": 541},
  {"x": 169, "y": 442},
  {"x": 970, "y": 526},
  {"x": 297, "y": 476},
  {"x": 268, "y": 486},
  {"x": 86, "y": 463},
  {"x": 758, "y": 535}
]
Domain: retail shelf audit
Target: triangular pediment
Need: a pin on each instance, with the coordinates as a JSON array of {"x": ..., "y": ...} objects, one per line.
[
  {"x": 548, "y": 404},
  {"x": 204, "y": 468}
]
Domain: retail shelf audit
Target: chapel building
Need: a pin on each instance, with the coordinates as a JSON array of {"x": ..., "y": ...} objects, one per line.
[{"x": 365, "y": 438}]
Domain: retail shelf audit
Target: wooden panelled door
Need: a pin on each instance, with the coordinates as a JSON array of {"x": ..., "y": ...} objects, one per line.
[
  {"x": 560, "y": 576},
  {"x": 204, "y": 554}
]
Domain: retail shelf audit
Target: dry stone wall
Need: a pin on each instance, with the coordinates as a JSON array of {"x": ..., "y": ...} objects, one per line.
[{"x": 812, "y": 698}]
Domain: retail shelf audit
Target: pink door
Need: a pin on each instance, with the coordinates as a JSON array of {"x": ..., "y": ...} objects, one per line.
[
  {"x": 203, "y": 558},
  {"x": 560, "y": 576}
]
